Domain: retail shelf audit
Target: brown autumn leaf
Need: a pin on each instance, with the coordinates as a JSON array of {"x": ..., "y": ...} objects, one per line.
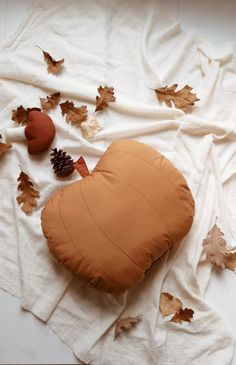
[
  {"x": 230, "y": 261},
  {"x": 172, "y": 305},
  {"x": 215, "y": 248},
  {"x": 74, "y": 114},
  {"x": 81, "y": 167},
  {"x": 182, "y": 315},
  {"x": 20, "y": 115},
  {"x": 169, "y": 304},
  {"x": 106, "y": 95},
  {"x": 28, "y": 196},
  {"x": 50, "y": 101},
  {"x": 182, "y": 98},
  {"x": 125, "y": 324},
  {"x": 4, "y": 147},
  {"x": 53, "y": 66}
]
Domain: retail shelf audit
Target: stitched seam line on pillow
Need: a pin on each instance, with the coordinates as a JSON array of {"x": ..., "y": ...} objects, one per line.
[
  {"x": 72, "y": 241},
  {"x": 164, "y": 224},
  {"x": 140, "y": 158},
  {"x": 160, "y": 171},
  {"x": 93, "y": 218}
]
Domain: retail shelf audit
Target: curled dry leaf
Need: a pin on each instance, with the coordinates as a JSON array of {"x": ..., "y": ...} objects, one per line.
[
  {"x": 81, "y": 167},
  {"x": 50, "y": 101},
  {"x": 28, "y": 197},
  {"x": 182, "y": 98},
  {"x": 106, "y": 95},
  {"x": 20, "y": 115},
  {"x": 74, "y": 114},
  {"x": 169, "y": 304},
  {"x": 182, "y": 315},
  {"x": 53, "y": 66},
  {"x": 215, "y": 248},
  {"x": 125, "y": 324},
  {"x": 90, "y": 127},
  {"x": 230, "y": 261},
  {"x": 4, "y": 147}
]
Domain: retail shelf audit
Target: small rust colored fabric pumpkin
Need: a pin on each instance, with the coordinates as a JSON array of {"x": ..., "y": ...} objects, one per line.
[
  {"x": 111, "y": 226},
  {"x": 40, "y": 132}
]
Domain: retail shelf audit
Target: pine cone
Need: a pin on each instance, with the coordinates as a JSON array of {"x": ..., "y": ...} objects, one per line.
[{"x": 63, "y": 164}]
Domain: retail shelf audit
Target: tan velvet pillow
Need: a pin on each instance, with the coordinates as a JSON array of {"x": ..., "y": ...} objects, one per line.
[{"x": 111, "y": 226}]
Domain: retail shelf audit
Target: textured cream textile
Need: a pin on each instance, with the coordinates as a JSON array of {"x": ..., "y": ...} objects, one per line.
[{"x": 134, "y": 47}]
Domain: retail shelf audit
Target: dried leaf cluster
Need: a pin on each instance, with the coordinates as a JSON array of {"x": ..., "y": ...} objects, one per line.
[
  {"x": 172, "y": 305},
  {"x": 79, "y": 115},
  {"x": 29, "y": 195},
  {"x": 75, "y": 115},
  {"x": 182, "y": 99},
  {"x": 125, "y": 325},
  {"x": 216, "y": 250}
]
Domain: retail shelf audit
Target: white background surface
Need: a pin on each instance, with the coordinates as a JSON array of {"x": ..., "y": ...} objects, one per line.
[{"x": 25, "y": 339}]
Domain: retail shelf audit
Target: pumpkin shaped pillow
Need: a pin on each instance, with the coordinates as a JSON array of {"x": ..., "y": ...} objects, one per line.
[{"x": 111, "y": 226}]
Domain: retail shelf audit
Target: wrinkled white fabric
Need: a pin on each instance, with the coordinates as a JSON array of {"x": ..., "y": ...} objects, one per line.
[{"x": 134, "y": 47}]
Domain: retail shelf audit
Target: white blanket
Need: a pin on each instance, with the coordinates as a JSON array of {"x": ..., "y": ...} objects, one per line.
[{"x": 134, "y": 47}]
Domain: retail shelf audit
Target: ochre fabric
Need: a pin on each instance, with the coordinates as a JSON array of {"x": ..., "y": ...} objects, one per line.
[{"x": 111, "y": 226}]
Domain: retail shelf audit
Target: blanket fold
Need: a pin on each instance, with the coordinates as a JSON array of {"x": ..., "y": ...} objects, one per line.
[{"x": 134, "y": 47}]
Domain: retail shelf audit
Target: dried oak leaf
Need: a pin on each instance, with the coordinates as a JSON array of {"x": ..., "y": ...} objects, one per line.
[
  {"x": 29, "y": 195},
  {"x": 182, "y": 98},
  {"x": 182, "y": 315},
  {"x": 169, "y": 304},
  {"x": 125, "y": 324},
  {"x": 4, "y": 147},
  {"x": 20, "y": 115},
  {"x": 215, "y": 248},
  {"x": 106, "y": 95},
  {"x": 50, "y": 101},
  {"x": 230, "y": 261},
  {"x": 74, "y": 114},
  {"x": 53, "y": 66}
]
